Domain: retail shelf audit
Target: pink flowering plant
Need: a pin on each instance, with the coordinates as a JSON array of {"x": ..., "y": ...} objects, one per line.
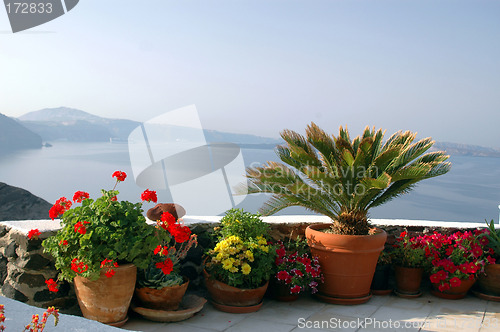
[
  {"x": 409, "y": 251},
  {"x": 456, "y": 257},
  {"x": 295, "y": 267},
  {"x": 101, "y": 234},
  {"x": 36, "y": 324}
]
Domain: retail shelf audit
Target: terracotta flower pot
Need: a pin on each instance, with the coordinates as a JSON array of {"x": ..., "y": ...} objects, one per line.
[
  {"x": 226, "y": 297},
  {"x": 347, "y": 262},
  {"x": 166, "y": 298},
  {"x": 489, "y": 282},
  {"x": 281, "y": 291},
  {"x": 107, "y": 300},
  {"x": 380, "y": 282},
  {"x": 454, "y": 293},
  {"x": 408, "y": 280}
]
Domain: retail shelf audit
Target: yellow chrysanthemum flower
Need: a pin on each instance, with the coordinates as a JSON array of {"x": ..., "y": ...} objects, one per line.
[
  {"x": 264, "y": 249},
  {"x": 249, "y": 255},
  {"x": 245, "y": 269}
]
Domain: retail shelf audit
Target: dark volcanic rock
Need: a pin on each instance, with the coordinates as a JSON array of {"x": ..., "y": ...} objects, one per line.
[{"x": 19, "y": 204}]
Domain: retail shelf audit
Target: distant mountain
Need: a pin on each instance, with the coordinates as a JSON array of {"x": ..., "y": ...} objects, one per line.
[
  {"x": 458, "y": 149},
  {"x": 70, "y": 124},
  {"x": 14, "y": 136}
]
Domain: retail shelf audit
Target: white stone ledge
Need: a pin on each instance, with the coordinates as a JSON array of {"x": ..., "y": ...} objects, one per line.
[
  {"x": 18, "y": 315},
  {"x": 45, "y": 226}
]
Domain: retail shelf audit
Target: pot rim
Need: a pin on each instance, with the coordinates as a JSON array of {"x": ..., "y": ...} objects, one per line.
[{"x": 319, "y": 226}]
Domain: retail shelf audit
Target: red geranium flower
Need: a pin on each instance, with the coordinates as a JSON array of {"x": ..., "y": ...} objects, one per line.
[
  {"x": 78, "y": 267},
  {"x": 444, "y": 286},
  {"x": 60, "y": 206},
  {"x": 149, "y": 196},
  {"x": 120, "y": 176},
  {"x": 166, "y": 266},
  {"x": 79, "y": 196},
  {"x": 63, "y": 243},
  {"x": 52, "y": 285},
  {"x": 34, "y": 233},
  {"x": 80, "y": 227},
  {"x": 295, "y": 289}
]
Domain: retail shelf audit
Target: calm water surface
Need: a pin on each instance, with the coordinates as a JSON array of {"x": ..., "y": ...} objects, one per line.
[{"x": 469, "y": 192}]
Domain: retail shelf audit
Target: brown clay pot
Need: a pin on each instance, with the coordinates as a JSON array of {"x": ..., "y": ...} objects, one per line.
[
  {"x": 234, "y": 297},
  {"x": 408, "y": 279},
  {"x": 454, "y": 293},
  {"x": 347, "y": 262},
  {"x": 281, "y": 292},
  {"x": 166, "y": 298},
  {"x": 107, "y": 300},
  {"x": 489, "y": 282}
]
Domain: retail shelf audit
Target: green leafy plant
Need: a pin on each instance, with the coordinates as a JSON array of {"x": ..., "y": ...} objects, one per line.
[
  {"x": 409, "y": 251},
  {"x": 343, "y": 178},
  {"x": 243, "y": 257},
  {"x": 153, "y": 277},
  {"x": 493, "y": 236},
  {"x": 101, "y": 234},
  {"x": 243, "y": 224}
]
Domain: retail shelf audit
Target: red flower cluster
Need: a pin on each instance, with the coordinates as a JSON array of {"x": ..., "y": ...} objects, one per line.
[
  {"x": 149, "y": 196},
  {"x": 52, "y": 285},
  {"x": 63, "y": 243},
  {"x": 120, "y": 176},
  {"x": 180, "y": 233},
  {"x": 78, "y": 267},
  {"x": 79, "y": 196},
  {"x": 80, "y": 227},
  {"x": 109, "y": 264},
  {"x": 61, "y": 205},
  {"x": 166, "y": 266},
  {"x": 456, "y": 257},
  {"x": 298, "y": 271},
  {"x": 34, "y": 233}
]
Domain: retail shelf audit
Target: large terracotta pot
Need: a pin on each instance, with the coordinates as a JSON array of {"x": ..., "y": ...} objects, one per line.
[
  {"x": 489, "y": 282},
  {"x": 107, "y": 300},
  {"x": 347, "y": 262},
  {"x": 408, "y": 280},
  {"x": 224, "y": 296},
  {"x": 454, "y": 293},
  {"x": 166, "y": 298}
]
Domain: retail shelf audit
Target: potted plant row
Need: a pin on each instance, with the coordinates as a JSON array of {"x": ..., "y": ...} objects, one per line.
[
  {"x": 99, "y": 248},
  {"x": 344, "y": 178}
]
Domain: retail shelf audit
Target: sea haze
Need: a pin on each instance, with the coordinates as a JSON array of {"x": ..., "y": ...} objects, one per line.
[{"x": 469, "y": 192}]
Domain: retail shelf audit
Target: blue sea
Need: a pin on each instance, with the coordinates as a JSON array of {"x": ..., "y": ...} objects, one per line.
[{"x": 470, "y": 192}]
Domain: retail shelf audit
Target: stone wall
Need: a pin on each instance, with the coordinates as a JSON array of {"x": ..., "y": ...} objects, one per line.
[{"x": 24, "y": 267}]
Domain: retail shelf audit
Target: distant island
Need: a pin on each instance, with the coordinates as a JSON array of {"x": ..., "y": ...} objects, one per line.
[{"x": 72, "y": 125}]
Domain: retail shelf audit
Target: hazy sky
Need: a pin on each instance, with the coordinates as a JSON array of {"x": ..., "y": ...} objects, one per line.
[{"x": 262, "y": 66}]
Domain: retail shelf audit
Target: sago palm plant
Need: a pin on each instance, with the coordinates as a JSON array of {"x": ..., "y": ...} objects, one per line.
[{"x": 343, "y": 178}]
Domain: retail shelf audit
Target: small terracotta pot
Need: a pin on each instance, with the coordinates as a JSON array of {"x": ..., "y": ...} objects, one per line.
[
  {"x": 380, "y": 280},
  {"x": 107, "y": 300},
  {"x": 489, "y": 282},
  {"x": 231, "y": 296},
  {"x": 408, "y": 279},
  {"x": 281, "y": 292},
  {"x": 454, "y": 293},
  {"x": 166, "y": 298}
]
